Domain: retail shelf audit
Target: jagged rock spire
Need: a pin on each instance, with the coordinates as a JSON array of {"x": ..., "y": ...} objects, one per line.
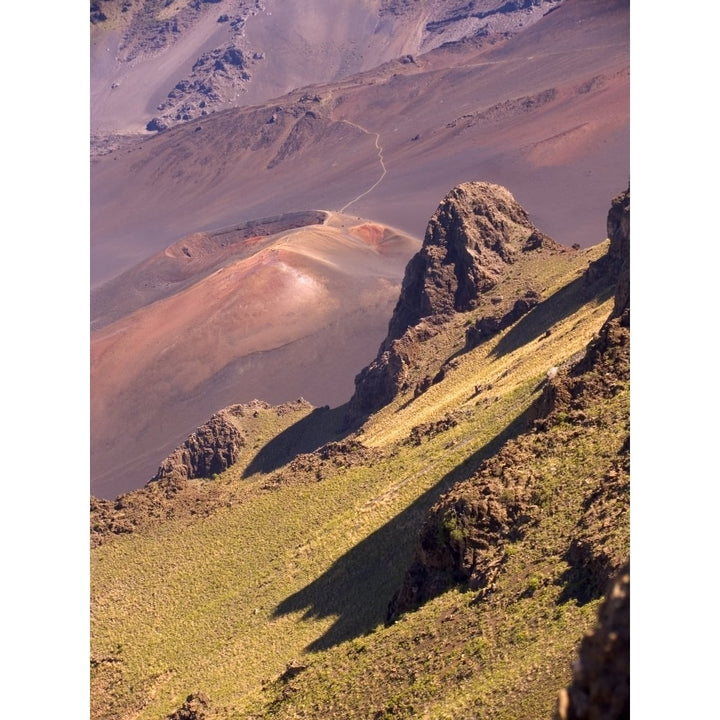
[{"x": 478, "y": 230}]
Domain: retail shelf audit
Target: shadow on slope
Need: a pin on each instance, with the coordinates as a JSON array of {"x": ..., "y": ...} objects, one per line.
[
  {"x": 357, "y": 588},
  {"x": 320, "y": 427},
  {"x": 564, "y": 303}
]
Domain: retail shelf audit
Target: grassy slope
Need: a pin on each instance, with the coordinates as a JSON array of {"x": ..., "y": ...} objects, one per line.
[
  {"x": 504, "y": 657},
  {"x": 301, "y": 569}
]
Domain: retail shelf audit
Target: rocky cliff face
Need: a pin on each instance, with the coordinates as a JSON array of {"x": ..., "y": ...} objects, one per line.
[
  {"x": 617, "y": 260},
  {"x": 477, "y": 232},
  {"x": 618, "y": 229},
  {"x": 607, "y": 358},
  {"x": 464, "y": 537}
]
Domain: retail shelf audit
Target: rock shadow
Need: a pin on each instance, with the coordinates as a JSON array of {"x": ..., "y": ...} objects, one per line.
[
  {"x": 566, "y": 301},
  {"x": 357, "y": 588},
  {"x": 579, "y": 583},
  {"x": 320, "y": 427}
]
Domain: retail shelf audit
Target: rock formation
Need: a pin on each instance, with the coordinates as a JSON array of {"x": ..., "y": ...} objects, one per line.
[
  {"x": 211, "y": 449},
  {"x": 464, "y": 535},
  {"x": 607, "y": 358},
  {"x": 193, "y": 708},
  {"x": 485, "y": 327},
  {"x": 617, "y": 259},
  {"x": 618, "y": 229},
  {"x": 477, "y": 232},
  {"x": 600, "y": 688}
]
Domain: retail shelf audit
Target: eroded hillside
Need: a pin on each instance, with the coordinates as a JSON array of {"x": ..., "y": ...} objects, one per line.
[{"x": 439, "y": 554}]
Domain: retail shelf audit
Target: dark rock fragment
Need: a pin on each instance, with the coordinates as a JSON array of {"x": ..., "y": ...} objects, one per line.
[{"x": 157, "y": 125}]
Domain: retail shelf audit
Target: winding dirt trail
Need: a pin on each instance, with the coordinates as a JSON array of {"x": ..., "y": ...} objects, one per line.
[{"x": 380, "y": 158}]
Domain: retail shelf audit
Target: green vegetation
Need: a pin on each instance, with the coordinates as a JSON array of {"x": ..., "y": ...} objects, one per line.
[{"x": 299, "y": 561}]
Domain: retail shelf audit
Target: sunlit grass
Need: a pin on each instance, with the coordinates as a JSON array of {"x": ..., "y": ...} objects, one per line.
[{"x": 303, "y": 569}]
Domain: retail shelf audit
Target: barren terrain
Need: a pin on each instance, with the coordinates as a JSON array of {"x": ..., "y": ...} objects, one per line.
[
  {"x": 184, "y": 59},
  {"x": 536, "y": 99},
  {"x": 545, "y": 112}
]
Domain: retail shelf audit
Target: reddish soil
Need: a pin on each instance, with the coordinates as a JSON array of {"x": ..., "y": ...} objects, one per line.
[{"x": 315, "y": 299}]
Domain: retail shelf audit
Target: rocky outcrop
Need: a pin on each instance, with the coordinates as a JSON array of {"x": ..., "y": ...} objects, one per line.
[
  {"x": 389, "y": 374},
  {"x": 600, "y": 688},
  {"x": 324, "y": 461},
  {"x": 171, "y": 494},
  {"x": 618, "y": 230},
  {"x": 217, "y": 75},
  {"x": 96, "y": 13},
  {"x": 617, "y": 260},
  {"x": 210, "y": 450},
  {"x": 477, "y": 232},
  {"x": 194, "y": 707},
  {"x": 156, "y": 125},
  {"x": 595, "y": 554},
  {"x": 425, "y": 431},
  {"x": 455, "y": 19},
  {"x": 606, "y": 363},
  {"x": 463, "y": 538}
]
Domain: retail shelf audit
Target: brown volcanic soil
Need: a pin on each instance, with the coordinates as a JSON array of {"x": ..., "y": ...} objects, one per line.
[
  {"x": 545, "y": 113},
  {"x": 295, "y": 313}
]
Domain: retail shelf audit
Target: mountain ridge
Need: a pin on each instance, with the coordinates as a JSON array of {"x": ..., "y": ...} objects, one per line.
[
  {"x": 477, "y": 231},
  {"x": 448, "y": 536},
  {"x": 544, "y": 111},
  {"x": 517, "y": 414}
]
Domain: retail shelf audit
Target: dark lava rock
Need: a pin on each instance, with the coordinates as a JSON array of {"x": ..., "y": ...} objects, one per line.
[
  {"x": 194, "y": 706},
  {"x": 618, "y": 230},
  {"x": 232, "y": 56},
  {"x": 616, "y": 262},
  {"x": 464, "y": 535},
  {"x": 157, "y": 125},
  {"x": 211, "y": 449},
  {"x": 606, "y": 362},
  {"x": 486, "y": 327},
  {"x": 477, "y": 231}
]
